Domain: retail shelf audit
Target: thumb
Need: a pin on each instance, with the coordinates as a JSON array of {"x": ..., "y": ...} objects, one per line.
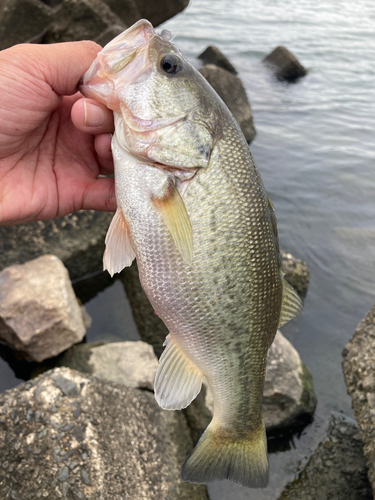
[{"x": 60, "y": 65}]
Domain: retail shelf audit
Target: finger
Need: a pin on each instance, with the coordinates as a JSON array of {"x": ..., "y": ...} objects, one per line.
[
  {"x": 104, "y": 154},
  {"x": 105, "y": 167},
  {"x": 60, "y": 65},
  {"x": 103, "y": 147},
  {"x": 91, "y": 117},
  {"x": 100, "y": 195}
]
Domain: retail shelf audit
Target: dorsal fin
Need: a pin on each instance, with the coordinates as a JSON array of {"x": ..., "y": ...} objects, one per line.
[{"x": 291, "y": 304}]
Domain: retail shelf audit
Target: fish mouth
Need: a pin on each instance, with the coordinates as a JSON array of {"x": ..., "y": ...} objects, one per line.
[
  {"x": 114, "y": 60},
  {"x": 123, "y": 49}
]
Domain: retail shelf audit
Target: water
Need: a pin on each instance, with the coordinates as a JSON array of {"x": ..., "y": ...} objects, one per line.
[{"x": 315, "y": 151}]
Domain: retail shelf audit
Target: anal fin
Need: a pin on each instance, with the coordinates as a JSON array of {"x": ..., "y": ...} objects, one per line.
[
  {"x": 291, "y": 304},
  {"x": 177, "y": 380},
  {"x": 119, "y": 252}
]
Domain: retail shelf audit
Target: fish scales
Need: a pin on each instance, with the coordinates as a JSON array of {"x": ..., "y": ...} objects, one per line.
[{"x": 194, "y": 212}]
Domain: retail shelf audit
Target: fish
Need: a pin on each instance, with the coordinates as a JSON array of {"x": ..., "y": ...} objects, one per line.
[{"x": 193, "y": 211}]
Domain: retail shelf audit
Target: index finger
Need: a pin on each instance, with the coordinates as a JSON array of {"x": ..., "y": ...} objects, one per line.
[{"x": 60, "y": 65}]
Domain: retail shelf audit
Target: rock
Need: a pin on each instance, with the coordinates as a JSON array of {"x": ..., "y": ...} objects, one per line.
[
  {"x": 133, "y": 364},
  {"x": 296, "y": 273},
  {"x": 77, "y": 239},
  {"x": 359, "y": 372},
  {"x": 288, "y": 393},
  {"x": 39, "y": 313},
  {"x": 100, "y": 441},
  {"x": 52, "y": 3},
  {"x": 336, "y": 470},
  {"x": 126, "y": 10},
  {"x": 288, "y": 389},
  {"x": 22, "y": 21},
  {"x": 109, "y": 34},
  {"x": 89, "y": 286},
  {"x": 213, "y": 55},
  {"x": 230, "y": 89},
  {"x": 158, "y": 12},
  {"x": 285, "y": 65},
  {"x": 80, "y": 20}
]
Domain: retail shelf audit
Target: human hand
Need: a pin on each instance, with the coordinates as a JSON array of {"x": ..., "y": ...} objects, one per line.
[{"x": 53, "y": 143}]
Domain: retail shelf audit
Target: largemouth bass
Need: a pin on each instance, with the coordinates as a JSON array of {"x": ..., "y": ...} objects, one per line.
[{"x": 193, "y": 210}]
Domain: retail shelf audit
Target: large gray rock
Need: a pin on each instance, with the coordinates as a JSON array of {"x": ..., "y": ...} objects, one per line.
[
  {"x": 22, "y": 21},
  {"x": 133, "y": 364},
  {"x": 160, "y": 11},
  {"x": 126, "y": 10},
  {"x": 285, "y": 64},
  {"x": 213, "y": 55},
  {"x": 39, "y": 312},
  {"x": 68, "y": 435},
  {"x": 288, "y": 388},
  {"x": 359, "y": 372},
  {"x": 109, "y": 34},
  {"x": 336, "y": 470},
  {"x": 80, "y": 20},
  {"x": 288, "y": 392},
  {"x": 296, "y": 273},
  {"x": 77, "y": 239},
  {"x": 230, "y": 89}
]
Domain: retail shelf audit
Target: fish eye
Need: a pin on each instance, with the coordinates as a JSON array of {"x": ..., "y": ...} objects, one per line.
[{"x": 171, "y": 64}]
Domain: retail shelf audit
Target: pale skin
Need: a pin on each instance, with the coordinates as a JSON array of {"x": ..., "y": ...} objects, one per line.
[{"x": 54, "y": 144}]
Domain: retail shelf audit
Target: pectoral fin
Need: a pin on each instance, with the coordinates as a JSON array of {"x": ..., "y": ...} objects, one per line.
[
  {"x": 177, "y": 380},
  {"x": 291, "y": 304},
  {"x": 173, "y": 210},
  {"x": 119, "y": 252}
]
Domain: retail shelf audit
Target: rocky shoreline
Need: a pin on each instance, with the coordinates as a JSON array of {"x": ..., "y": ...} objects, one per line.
[
  {"x": 67, "y": 435},
  {"x": 50, "y": 428}
]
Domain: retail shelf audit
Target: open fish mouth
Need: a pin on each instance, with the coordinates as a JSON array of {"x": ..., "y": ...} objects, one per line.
[{"x": 115, "y": 59}]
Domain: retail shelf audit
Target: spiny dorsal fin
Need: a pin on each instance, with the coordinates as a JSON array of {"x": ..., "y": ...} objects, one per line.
[
  {"x": 173, "y": 210},
  {"x": 177, "y": 380},
  {"x": 119, "y": 252},
  {"x": 291, "y": 304}
]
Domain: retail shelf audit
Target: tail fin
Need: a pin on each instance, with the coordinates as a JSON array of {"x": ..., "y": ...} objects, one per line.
[{"x": 219, "y": 456}]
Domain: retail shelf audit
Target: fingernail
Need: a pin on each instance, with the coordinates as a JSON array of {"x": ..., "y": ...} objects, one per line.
[{"x": 94, "y": 115}]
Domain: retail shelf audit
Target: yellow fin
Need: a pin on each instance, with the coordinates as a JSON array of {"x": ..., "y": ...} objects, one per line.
[
  {"x": 177, "y": 380},
  {"x": 173, "y": 210},
  {"x": 220, "y": 454},
  {"x": 291, "y": 304},
  {"x": 119, "y": 252}
]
